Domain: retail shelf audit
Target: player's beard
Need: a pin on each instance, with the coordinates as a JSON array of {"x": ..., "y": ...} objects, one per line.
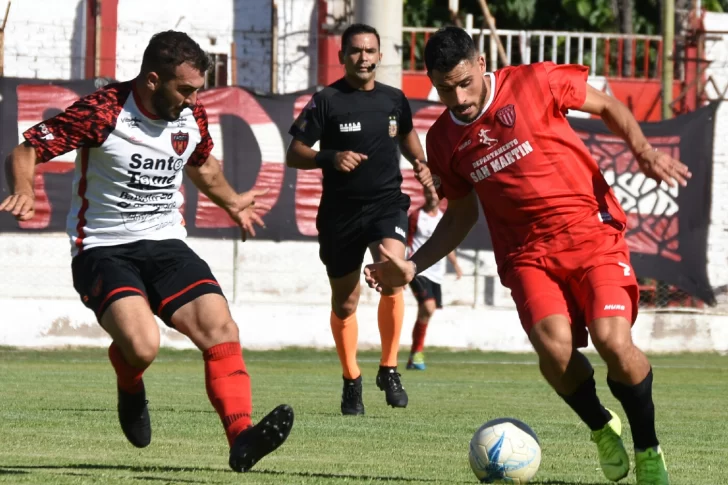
[
  {"x": 163, "y": 108},
  {"x": 478, "y": 106}
]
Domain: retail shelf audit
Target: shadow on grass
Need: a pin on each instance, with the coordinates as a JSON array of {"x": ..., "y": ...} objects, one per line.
[
  {"x": 178, "y": 469},
  {"x": 561, "y": 482},
  {"x": 340, "y": 476}
]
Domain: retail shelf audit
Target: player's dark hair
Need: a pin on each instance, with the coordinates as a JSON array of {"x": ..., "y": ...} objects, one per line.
[
  {"x": 447, "y": 48},
  {"x": 356, "y": 29},
  {"x": 169, "y": 49}
]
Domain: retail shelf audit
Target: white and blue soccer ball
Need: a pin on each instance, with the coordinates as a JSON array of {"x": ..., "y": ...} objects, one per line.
[{"x": 505, "y": 450}]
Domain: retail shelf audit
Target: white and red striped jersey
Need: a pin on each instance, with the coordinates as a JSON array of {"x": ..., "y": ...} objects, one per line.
[
  {"x": 421, "y": 226},
  {"x": 129, "y": 165}
]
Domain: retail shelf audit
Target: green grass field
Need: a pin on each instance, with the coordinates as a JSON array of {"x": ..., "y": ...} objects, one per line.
[{"x": 58, "y": 421}]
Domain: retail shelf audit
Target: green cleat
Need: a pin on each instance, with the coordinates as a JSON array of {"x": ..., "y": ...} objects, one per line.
[
  {"x": 650, "y": 467},
  {"x": 416, "y": 361},
  {"x": 613, "y": 456}
]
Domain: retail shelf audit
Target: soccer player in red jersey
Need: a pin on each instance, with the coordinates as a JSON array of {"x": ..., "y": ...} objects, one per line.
[{"x": 556, "y": 226}]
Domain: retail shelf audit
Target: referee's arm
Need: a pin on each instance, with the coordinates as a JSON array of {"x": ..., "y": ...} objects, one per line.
[
  {"x": 411, "y": 147},
  {"x": 301, "y": 156}
]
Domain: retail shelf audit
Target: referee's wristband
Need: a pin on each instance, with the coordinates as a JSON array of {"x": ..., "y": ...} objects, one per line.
[{"x": 325, "y": 159}]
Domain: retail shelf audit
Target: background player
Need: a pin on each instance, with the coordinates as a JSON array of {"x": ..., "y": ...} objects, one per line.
[
  {"x": 427, "y": 285},
  {"x": 130, "y": 260},
  {"x": 360, "y": 124},
  {"x": 557, "y": 228}
]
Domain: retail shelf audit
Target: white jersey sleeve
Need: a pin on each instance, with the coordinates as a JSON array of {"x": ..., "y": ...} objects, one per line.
[{"x": 129, "y": 166}]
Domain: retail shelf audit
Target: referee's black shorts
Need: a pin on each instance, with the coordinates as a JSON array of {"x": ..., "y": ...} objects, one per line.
[{"x": 345, "y": 230}]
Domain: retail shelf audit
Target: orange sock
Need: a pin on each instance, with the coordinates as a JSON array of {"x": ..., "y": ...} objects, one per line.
[
  {"x": 391, "y": 317},
  {"x": 346, "y": 334}
]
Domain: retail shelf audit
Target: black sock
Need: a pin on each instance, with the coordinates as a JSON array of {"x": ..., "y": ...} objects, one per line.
[
  {"x": 640, "y": 410},
  {"x": 585, "y": 402}
]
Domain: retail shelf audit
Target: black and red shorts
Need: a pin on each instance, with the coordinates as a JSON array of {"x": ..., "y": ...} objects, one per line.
[{"x": 167, "y": 273}]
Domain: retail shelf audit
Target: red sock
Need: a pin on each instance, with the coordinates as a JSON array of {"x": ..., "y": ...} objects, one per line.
[
  {"x": 418, "y": 336},
  {"x": 228, "y": 387},
  {"x": 128, "y": 378}
]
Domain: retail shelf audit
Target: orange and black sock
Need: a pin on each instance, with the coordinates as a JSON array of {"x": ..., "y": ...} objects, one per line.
[
  {"x": 391, "y": 318},
  {"x": 128, "y": 378},
  {"x": 228, "y": 387},
  {"x": 346, "y": 334}
]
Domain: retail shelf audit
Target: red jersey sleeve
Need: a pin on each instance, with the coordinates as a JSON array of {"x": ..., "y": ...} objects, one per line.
[
  {"x": 204, "y": 147},
  {"x": 449, "y": 184},
  {"x": 567, "y": 83},
  {"x": 85, "y": 124}
]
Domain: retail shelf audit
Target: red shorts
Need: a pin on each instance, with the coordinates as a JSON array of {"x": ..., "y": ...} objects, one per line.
[{"x": 591, "y": 280}]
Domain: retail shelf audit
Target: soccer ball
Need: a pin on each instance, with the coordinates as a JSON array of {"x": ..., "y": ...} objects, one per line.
[{"x": 505, "y": 450}]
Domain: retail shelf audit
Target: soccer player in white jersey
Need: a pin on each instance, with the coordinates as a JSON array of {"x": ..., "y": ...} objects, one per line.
[
  {"x": 130, "y": 261},
  {"x": 427, "y": 285}
]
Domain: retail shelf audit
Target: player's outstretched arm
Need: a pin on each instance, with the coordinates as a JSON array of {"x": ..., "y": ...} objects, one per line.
[
  {"x": 243, "y": 208},
  {"x": 618, "y": 118},
  {"x": 20, "y": 170},
  {"x": 460, "y": 217}
]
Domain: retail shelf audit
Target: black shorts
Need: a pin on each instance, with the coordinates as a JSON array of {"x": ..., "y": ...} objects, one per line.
[
  {"x": 425, "y": 289},
  {"x": 168, "y": 274},
  {"x": 346, "y": 230}
]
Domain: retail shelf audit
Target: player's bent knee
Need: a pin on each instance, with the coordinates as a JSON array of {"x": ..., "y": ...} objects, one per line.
[
  {"x": 611, "y": 336},
  {"x": 551, "y": 337},
  {"x": 141, "y": 351}
]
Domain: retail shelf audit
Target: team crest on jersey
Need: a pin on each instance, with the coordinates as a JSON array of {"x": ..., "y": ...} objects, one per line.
[
  {"x": 507, "y": 115},
  {"x": 393, "y": 127},
  {"x": 180, "y": 141}
]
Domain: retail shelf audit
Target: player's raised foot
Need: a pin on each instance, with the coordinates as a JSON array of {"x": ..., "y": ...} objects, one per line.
[
  {"x": 650, "y": 467},
  {"x": 388, "y": 380},
  {"x": 613, "y": 456},
  {"x": 252, "y": 444},
  {"x": 352, "y": 402},
  {"x": 416, "y": 361},
  {"x": 134, "y": 417}
]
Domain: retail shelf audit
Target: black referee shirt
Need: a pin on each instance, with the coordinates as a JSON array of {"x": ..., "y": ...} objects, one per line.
[{"x": 369, "y": 122}]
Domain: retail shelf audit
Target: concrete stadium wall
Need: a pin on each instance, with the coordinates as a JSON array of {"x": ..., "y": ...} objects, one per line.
[{"x": 279, "y": 297}]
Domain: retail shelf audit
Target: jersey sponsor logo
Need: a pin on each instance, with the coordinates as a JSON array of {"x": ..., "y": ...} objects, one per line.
[
  {"x": 485, "y": 139},
  {"x": 510, "y": 153},
  {"x": 614, "y": 307},
  {"x": 143, "y": 181},
  {"x": 180, "y": 141},
  {"x": 400, "y": 231},
  {"x": 465, "y": 144},
  {"x": 350, "y": 127},
  {"x": 507, "y": 115},
  {"x": 180, "y": 122},
  {"x": 393, "y": 128}
]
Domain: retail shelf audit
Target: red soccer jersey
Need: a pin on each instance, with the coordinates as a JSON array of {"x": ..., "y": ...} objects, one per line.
[{"x": 540, "y": 189}]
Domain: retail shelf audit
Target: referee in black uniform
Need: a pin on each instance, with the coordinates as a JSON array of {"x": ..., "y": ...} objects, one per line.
[{"x": 361, "y": 125}]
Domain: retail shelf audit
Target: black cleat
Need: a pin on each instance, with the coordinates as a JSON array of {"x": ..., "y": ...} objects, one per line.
[
  {"x": 389, "y": 382},
  {"x": 351, "y": 397},
  {"x": 134, "y": 417},
  {"x": 252, "y": 444}
]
